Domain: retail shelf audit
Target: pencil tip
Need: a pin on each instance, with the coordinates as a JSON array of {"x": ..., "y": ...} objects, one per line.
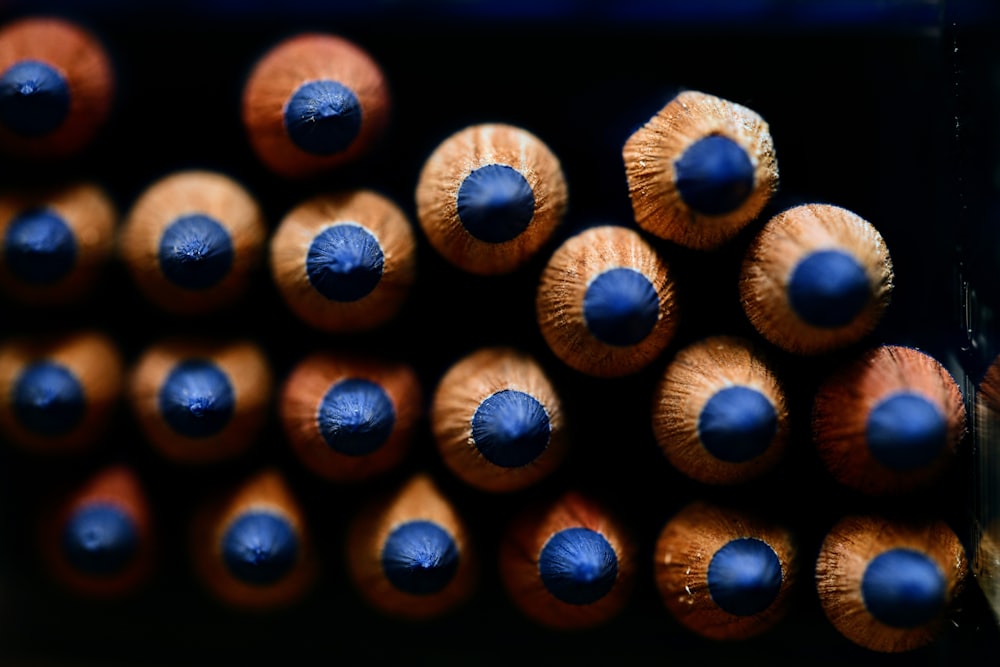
[
  {"x": 323, "y": 117},
  {"x": 100, "y": 540},
  {"x": 420, "y": 557},
  {"x": 714, "y": 175},
  {"x": 744, "y": 576},
  {"x": 903, "y": 588},
  {"x": 34, "y": 98},
  {"x": 578, "y": 565},
  {"x": 260, "y": 548},
  {"x": 195, "y": 252},
  {"x": 495, "y": 203}
]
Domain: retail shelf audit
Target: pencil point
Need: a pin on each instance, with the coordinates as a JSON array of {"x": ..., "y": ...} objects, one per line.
[
  {"x": 39, "y": 247},
  {"x": 345, "y": 262},
  {"x": 903, "y": 588},
  {"x": 511, "y": 428},
  {"x": 356, "y": 417},
  {"x": 419, "y": 557},
  {"x": 714, "y": 175},
  {"x": 621, "y": 307},
  {"x": 744, "y": 577},
  {"x": 48, "y": 399},
  {"x": 197, "y": 399},
  {"x": 260, "y": 548},
  {"x": 195, "y": 252},
  {"x": 34, "y": 98},
  {"x": 578, "y": 566},
  {"x": 495, "y": 203},
  {"x": 906, "y": 431},
  {"x": 828, "y": 288},
  {"x": 737, "y": 424},
  {"x": 100, "y": 540},
  {"x": 323, "y": 117}
]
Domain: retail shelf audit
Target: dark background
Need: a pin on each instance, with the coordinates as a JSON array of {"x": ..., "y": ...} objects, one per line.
[{"x": 888, "y": 109}]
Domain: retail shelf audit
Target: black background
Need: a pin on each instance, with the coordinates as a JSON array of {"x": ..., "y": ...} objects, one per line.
[{"x": 888, "y": 118}]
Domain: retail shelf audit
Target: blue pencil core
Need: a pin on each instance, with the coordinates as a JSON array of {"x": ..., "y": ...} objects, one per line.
[
  {"x": 345, "y": 262},
  {"x": 578, "y": 566},
  {"x": 356, "y": 417},
  {"x": 196, "y": 399},
  {"x": 511, "y": 428},
  {"x": 419, "y": 557},
  {"x": 714, "y": 175},
  {"x": 48, "y": 399},
  {"x": 39, "y": 247},
  {"x": 323, "y": 117},
  {"x": 737, "y": 423},
  {"x": 495, "y": 203},
  {"x": 906, "y": 431},
  {"x": 100, "y": 540},
  {"x": 260, "y": 548},
  {"x": 744, "y": 576},
  {"x": 34, "y": 98},
  {"x": 196, "y": 252},
  {"x": 621, "y": 307},
  {"x": 903, "y": 588},
  {"x": 828, "y": 288}
]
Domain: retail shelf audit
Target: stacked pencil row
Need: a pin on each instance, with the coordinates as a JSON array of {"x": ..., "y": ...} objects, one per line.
[
  {"x": 492, "y": 198},
  {"x": 565, "y": 560}
]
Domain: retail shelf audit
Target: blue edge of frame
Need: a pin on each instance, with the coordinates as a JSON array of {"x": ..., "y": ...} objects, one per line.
[{"x": 744, "y": 14}]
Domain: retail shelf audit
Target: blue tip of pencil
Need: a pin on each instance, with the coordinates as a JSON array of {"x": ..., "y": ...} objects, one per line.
[
  {"x": 737, "y": 423},
  {"x": 34, "y": 98},
  {"x": 828, "y": 288},
  {"x": 906, "y": 431},
  {"x": 714, "y": 175},
  {"x": 196, "y": 252},
  {"x": 511, "y": 428},
  {"x": 197, "y": 399},
  {"x": 323, "y": 117},
  {"x": 344, "y": 262},
  {"x": 39, "y": 247},
  {"x": 419, "y": 557},
  {"x": 48, "y": 399},
  {"x": 621, "y": 307},
  {"x": 259, "y": 548},
  {"x": 744, "y": 576},
  {"x": 578, "y": 566},
  {"x": 495, "y": 203},
  {"x": 903, "y": 588},
  {"x": 356, "y": 417},
  {"x": 100, "y": 540}
]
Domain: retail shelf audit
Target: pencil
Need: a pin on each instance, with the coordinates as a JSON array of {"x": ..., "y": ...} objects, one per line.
[
  {"x": 606, "y": 302},
  {"x": 344, "y": 262},
  {"x": 314, "y": 102},
  {"x": 888, "y": 583},
  {"x": 700, "y": 170},
  {"x": 59, "y": 392},
  {"x": 350, "y": 417},
  {"x": 57, "y": 87},
  {"x": 490, "y": 196},
  {"x": 57, "y": 242},
  {"x": 724, "y": 573},
  {"x": 815, "y": 279},
  {"x": 889, "y": 422},
  {"x": 201, "y": 400},
  {"x": 719, "y": 412},
  {"x": 409, "y": 554},
  {"x": 192, "y": 240},
  {"x": 568, "y": 563},
  {"x": 98, "y": 539},
  {"x": 497, "y": 420},
  {"x": 251, "y": 546}
]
